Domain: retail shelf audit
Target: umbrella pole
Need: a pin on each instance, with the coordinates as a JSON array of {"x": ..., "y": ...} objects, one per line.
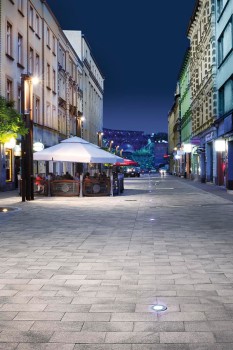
[
  {"x": 81, "y": 186},
  {"x": 111, "y": 182}
]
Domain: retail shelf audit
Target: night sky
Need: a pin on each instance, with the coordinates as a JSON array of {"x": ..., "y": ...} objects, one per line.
[{"x": 139, "y": 47}]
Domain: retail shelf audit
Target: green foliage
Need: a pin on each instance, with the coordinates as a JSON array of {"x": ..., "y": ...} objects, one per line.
[
  {"x": 144, "y": 157},
  {"x": 11, "y": 123}
]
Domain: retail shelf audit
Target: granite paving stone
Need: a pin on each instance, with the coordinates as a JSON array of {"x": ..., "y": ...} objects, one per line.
[{"x": 84, "y": 273}]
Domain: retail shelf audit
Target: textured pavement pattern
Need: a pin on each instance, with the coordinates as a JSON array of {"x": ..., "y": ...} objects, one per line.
[{"x": 84, "y": 273}]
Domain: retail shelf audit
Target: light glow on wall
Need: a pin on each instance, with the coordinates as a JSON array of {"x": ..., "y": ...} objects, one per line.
[
  {"x": 220, "y": 145},
  {"x": 187, "y": 147}
]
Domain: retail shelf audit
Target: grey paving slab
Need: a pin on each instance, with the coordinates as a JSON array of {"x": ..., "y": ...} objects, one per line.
[{"x": 84, "y": 273}]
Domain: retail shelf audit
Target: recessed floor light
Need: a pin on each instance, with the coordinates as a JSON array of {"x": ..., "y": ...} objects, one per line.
[
  {"x": 152, "y": 219},
  {"x": 159, "y": 307}
]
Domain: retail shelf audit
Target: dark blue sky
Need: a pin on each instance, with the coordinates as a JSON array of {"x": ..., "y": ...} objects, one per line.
[{"x": 139, "y": 46}]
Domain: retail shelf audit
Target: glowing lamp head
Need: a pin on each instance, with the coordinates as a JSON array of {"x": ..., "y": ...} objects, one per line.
[
  {"x": 35, "y": 80},
  {"x": 11, "y": 143},
  {"x": 159, "y": 308}
]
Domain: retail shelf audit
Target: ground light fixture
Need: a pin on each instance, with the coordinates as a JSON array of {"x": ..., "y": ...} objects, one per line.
[{"x": 159, "y": 307}]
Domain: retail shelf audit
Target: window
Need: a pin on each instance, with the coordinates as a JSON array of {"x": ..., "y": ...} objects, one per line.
[
  {"x": 31, "y": 17},
  {"x": 37, "y": 110},
  {"x": 8, "y": 167},
  {"x": 37, "y": 65},
  {"x": 20, "y": 49},
  {"x": 54, "y": 45},
  {"x": 225, "y": 42},
  {"x": 54, "y": 117},
  {"x": 48, "y": 114},
  {"x": 9, "y": 90},
  {"x": 48, "y": 37},
  {"x": 54, "y": 80},
  {"x": 225, "y": 96},
  {"x": 9, "y": 39},
  {"x": 20, "y": 6},
  {"x": 37, "y": 25},
  {"x": 220, "y": 5},
  {"x": 19, "y": 99},
  {"x": 31, "y": 62},
  {"x": 48, "y": 75},
  {"x": 61, "y": 58}
]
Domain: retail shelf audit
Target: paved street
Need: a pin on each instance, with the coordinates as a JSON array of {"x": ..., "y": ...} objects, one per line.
[{"x": 84, "y": 273}]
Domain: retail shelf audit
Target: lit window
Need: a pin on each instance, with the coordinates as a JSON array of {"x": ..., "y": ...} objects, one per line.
[{"x": 9, "y": 90}]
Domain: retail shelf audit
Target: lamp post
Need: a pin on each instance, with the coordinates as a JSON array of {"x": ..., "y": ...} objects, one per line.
[
  {"x": 27, "y": 190},
  {"x": 100, "y": 135},
  {"x": 80, "y": 120},
  {"x": 110, "y": 145}
]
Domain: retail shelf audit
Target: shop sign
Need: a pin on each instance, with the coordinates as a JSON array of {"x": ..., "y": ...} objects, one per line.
[{"x": 209, "y": 136}]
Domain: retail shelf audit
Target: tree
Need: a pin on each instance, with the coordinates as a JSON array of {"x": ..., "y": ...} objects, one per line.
[
  {"x": 11, "y": 123},
  {"x": 144, "y": 157}
]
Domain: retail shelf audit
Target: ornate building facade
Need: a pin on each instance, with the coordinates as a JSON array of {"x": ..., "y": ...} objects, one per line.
[
  {"x": 70, "y": 84},
  {"x": 201, "y": 33}
]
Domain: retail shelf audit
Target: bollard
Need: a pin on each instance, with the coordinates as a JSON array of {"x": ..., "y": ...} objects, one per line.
[
  {"x": 49, "y": 185},
  {"x": 111, "y": 182},
  {"x": 81, "y": 186},
  {"x": 19, "y": 184}
]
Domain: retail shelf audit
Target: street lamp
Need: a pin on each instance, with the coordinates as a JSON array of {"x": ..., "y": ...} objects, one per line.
[
  {"x": 27, "y": 190},
  {"x": 100, "y": 135},
  {"x": 80, "y": 120},
  {"x": 110, "y": 145}
]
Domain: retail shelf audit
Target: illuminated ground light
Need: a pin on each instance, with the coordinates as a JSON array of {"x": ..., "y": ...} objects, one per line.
[
  {"x": 159, "y": 307},
  {"x": 152, "y": 219},
  {"x": 7, "y": 209}
]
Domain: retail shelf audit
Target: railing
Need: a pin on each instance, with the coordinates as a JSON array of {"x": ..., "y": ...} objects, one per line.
[
  {"x": 93, "y": 187},
  {"x": 65, "y": 188},
  {"x": 90, "y": 187}
]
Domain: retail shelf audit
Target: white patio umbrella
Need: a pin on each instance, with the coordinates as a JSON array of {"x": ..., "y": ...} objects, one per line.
[{"x": 76, "y": 150}]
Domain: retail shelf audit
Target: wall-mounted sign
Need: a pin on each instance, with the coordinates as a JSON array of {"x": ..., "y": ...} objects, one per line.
[
  {"x": 38, "y": 146},
  {"x": 209, "y": 136}
]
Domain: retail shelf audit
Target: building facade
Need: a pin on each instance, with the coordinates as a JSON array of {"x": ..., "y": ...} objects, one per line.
[
  {"x": 33, "y": 43},
  {"x": 93, "y": 87},
  {"x": 174, "y": 136},
  {"x": 224, "y": 122},
  {"x": 185, "y": 114},
  {"x": 201, "y": 33}
]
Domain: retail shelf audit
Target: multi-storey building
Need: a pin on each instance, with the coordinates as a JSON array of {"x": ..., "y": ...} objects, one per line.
[
  {"x": 174, "y": 136},
  {"x": 203, "y": 88},
  {"x": 224, "y": 123},
  {"x": 33, "y": 43},
  {"x": 93, "y": 87},
  {"x": 185, "y": 113}
]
